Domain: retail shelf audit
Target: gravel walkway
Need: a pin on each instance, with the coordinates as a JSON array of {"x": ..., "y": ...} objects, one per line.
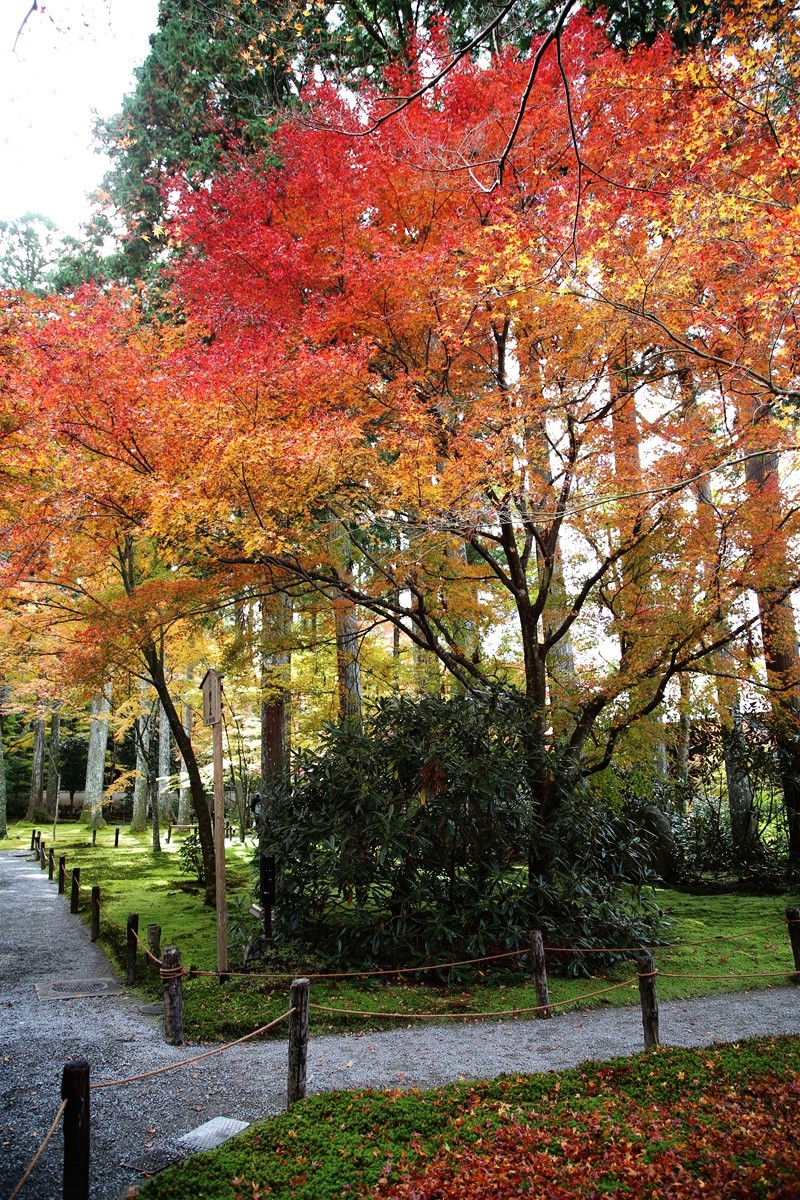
[{"x": 40, "y": 941}]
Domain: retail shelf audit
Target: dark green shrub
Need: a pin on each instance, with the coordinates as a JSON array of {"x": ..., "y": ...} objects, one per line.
[
  {"x": 410, "y": 842},
  {"x": 190, "y": 858}
]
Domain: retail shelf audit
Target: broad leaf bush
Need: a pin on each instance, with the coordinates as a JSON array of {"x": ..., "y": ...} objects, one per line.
[{"x": 409, "y": 842}]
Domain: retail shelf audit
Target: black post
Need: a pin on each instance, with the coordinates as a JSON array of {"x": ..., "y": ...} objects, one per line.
[
  {"x": 42, "y": 855},
  {"x": 116, "y": 837},
  {"x": 793, "y": 921},
  {"x": 130, "y": 962},
  {"x": 171, "y": 974},
  {"x": 298, "y": 1041},
  {"x": 540, "y": 974},
  {"x": 75, "y": 1090},
  {"x": 154, "y": 940},
  {"x": 33, "y": 838},
  {"x": 95, "y": 927},
  {"x": 62, "y": 874},
  {"x": 76, "y": 890},
  {"x": 647, "y": 995},
  {"x": 94, "y": 837},
  {"x": 51, "y": 864}
]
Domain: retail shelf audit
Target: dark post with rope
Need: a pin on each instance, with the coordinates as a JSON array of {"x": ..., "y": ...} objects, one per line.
[
  {"x": 793, "y": 921},
  {"x": 540, "y": 974},
  {"x": 62, "y": 874},
  {"x": 130, "y": 960},
  {"x": 154, "y": 940},
  {"x": 647, "y": 995},
  {"x": 298, "y": 1041},
  {"x": 75, "y": 895},
  {"x": 171, "y": 973},
  {"x": 51, "y": 865},
  {"x": 33, "y": 839},
  {"x": 42, "y": 854},
  {"x": 95, "y": 926},
  {"x": 75, "y": 1090}
]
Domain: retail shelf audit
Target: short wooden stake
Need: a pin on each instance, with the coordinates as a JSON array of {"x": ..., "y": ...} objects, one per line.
[
  {"x": 116, "y": 837},
  {"x": 298, "y": 1041},
  {"x": 75, "y": 896},
  {"x": 51, "y": 863},
  {"x": 793, "y": 921},
  {"x": 94, "y": 837},
  {"x": 33, "y": 838},
  {"x": 62, "y": 874},
  {"x": 37, "y": 837},
  {"x": 154, "y": 940},
  {"x": 130, "y": 961},
  {"x": 95, "y": 926},
  {"x": 647, "y": 995},
  {"x": 42, "y": 855},
  {"x": 171, "y": 973},
  {"x": 75, "y": 1090},
  {"x": 540, "y": 974}
]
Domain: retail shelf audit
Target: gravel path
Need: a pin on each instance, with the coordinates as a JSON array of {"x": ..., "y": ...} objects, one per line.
[{"x": 40, "y": 941}]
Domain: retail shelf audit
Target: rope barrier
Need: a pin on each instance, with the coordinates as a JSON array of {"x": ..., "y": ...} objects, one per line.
[
  {"x": 39, "y": 1152},
  {"x": 471, "y": 1016},
  {"x": 733, "y": 975},
  {"x": 186, "y": 1062}
]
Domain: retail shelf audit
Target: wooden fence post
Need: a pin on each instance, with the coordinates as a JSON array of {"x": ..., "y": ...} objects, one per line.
[
  {"x": 130, "y": 961},
  {"x": 540, "y": 974},
  {"x": 33, "y": 839},
  {"x": 76, "y": 890},
  {"x": 62, "y": 874},
  {"x": 37, "y": 837},
  {"x": 51, "y": 863},
  {"x": 75, "y": 1090},
  {"x": 793, "y": 921},
  {"x": 647, "y": 995},
  {"x": 171, "y": 974},
  {"x": 298, "y": 1041},
  {"x": 42, "y": 855},
  {"x": 154, "y": 940},
  {"x": 94, "y": 837},
  {"x": 116, "y": 837},
  {"x": 95, "y": 926}
]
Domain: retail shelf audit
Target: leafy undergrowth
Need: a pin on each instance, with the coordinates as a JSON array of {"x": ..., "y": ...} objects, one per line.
[
  {"x": 676, "y": 1124},
  {"x": 133, "y": 878}
]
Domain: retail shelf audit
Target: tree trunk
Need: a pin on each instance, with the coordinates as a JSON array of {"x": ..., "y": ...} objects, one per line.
[
  {"x": 164, "y": 770},
  {"x": 37, "y": 770},
  {"x": 142, "y": 783},
  {"x": 276, "y": 668},
  {"x": 3, "y": 797},
  {"x": 185, "y": 793},
  {"x": 53, "y": 761},
  {"x": 183, "y": 741},
  {"x": 347, "y": 642},
  {"x": 96, "y": 761}
]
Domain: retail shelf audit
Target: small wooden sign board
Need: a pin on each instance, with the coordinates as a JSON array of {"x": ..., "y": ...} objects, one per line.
[{"x": 211, "y": 687}]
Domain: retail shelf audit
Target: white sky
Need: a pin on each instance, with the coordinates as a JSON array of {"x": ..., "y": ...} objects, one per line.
[{"x": 74, "y": 58}]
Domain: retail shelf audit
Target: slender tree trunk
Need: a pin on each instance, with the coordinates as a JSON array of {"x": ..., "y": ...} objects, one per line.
[
  {"x": 53, "y": 760},
  {"x": 96, "y": 761},
  {"x": 276, "y": 669},
  {"x": 141, "y": 786},
  {"x": 185, "y": 793},
  {"x": 345, "y": 617},
  {"x": 684, "y": 729},
  {"x": 3, "y": 796},
  {"x": 183, "y": 741},
  {"x": 37, "y": 770},
  {"x": 154, "y": 796},
  {"x": 164, "y": 769}
]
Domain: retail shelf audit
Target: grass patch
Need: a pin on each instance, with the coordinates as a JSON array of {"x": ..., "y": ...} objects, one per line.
[
  {"x": 685, "y": 1123},
  {"x": 133, "y": 878}
]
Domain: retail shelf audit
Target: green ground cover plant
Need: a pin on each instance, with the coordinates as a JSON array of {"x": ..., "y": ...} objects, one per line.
[
  {"x": 714, "y": 955},
  {"x": 677, "y": 1123}
]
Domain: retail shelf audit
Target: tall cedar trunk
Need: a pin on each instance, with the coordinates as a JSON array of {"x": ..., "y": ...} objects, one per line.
[
  {"x": 771, "y": 576},
  {"x": 345, "y": 617},
  {"x": 164, "y": 770},
  {"x": 142, "y": 782},
  {"x": 37, "y": 770},
  {"x": 3, "y": 796},
  {"x": 96, "y": 761},
  {"x": 185, "y": 792},
  {"x": 183, "y": 741},
  {"x": 53, "y": 760},
  {"x": 276, "y": 668},
  {"x": 684, "y": 729}
]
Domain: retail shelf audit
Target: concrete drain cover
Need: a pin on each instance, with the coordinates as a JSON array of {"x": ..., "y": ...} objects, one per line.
[
  {"x": 74, "y": 989},
  {"x": 206, "y": 1137},
  {"x": 210, "y": 1135}
]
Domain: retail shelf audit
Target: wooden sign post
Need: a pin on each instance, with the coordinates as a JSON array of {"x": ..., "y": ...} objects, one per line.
[{"x": 211, "y": 687}]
